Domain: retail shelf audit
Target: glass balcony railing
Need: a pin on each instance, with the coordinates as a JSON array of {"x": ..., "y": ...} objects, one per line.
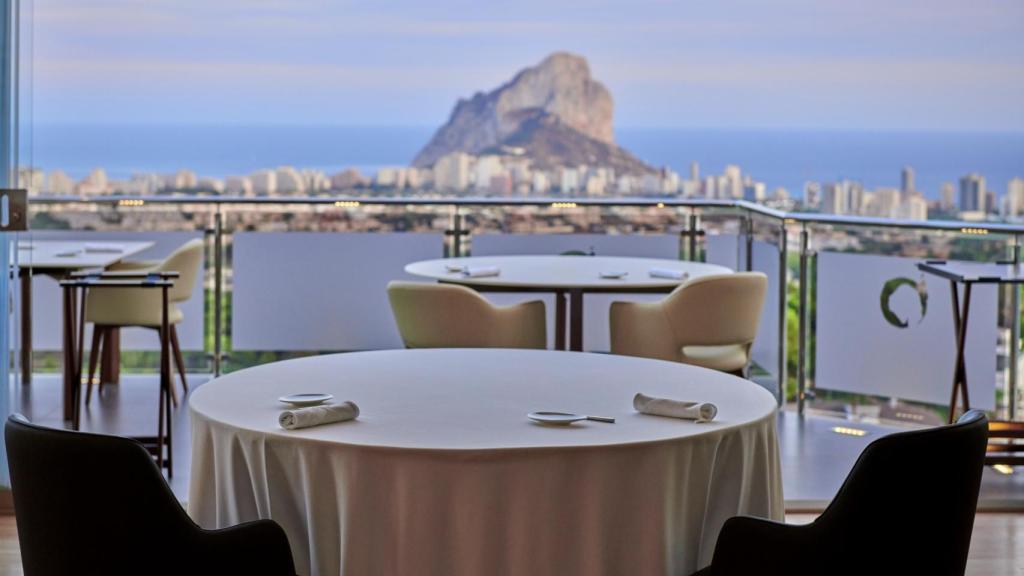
[{"x": 849, "y": 326}]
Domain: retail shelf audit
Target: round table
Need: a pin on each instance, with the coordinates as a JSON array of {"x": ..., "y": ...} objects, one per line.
[
  {"x": 443, "y": 474},
  {"x": 564, "y": 275}
]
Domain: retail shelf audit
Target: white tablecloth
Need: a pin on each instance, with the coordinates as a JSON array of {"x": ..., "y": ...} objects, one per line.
[{"x": 442, "y": 474}]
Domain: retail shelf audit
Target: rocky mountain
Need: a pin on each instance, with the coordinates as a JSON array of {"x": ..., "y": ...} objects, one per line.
[{"x": 554, "y": 113}]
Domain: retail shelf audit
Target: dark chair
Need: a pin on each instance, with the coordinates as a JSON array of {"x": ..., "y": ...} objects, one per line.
[
  {"x": 907, "y": 507},
  {"x": 94, "y": 504}
]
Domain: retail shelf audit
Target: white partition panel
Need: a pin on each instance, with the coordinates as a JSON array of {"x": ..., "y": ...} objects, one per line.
[
  {"x": 596, "y": 306},
  {"x": 911, "y": 354},
  {"x": 320, "y": 290},
  {"x": 725, "y": 250},
  {"x": 765, "y": 352},
  {"x": 46, "y": 299}
]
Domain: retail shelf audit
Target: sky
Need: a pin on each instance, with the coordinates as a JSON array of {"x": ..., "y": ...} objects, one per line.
[{"x": 876, "y": 65}]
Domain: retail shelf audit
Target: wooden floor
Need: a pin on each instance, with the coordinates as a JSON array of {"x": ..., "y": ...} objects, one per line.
[{"x": 997, "y": 548}]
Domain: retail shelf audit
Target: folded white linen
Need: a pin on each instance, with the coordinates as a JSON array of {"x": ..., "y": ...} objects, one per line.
[
  {"x": 481, "y": 271},
  {"x": 317, "y": 415},
  {"x": 668, "y": 273},
  {"x": 104, "y": 248},
  {"x": 699, "y": 411}
]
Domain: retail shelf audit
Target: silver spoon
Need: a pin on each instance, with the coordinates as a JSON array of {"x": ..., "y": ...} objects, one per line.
[{"x": 565, "y": 418}]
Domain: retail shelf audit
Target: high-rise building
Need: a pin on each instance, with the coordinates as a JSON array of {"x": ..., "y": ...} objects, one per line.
[
  {"x": 1014, "y": 205},
  {"x": 753, "y": 191},
  {"x": 834, "y": 199},
  {"x": 568, "y": 180},
  {"x": 812, "y": 194},
  {"x": 57, "y": 182},
  {"x": 487, "y": 167},
  {"x": 972, "y": 193},
  {"x": 947, "y": 196},
  {"x": 451, "y": 172},
  {"x": 694, "y": 171},
  {"x": 238, "y": 185},
  {"x": 854, "y": 196},
  {"x": 914, "y": 207},
  {"x": 289, "y": 180},
  {"x": 733, "y": 188},
  {"x": 907, "y": 180},
  {"x": 264, "y": 182}
]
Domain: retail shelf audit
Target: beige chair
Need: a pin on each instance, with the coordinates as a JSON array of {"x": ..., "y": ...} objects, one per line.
[
  {"x": 709, "y": 321},
  {"x": 113, "y": 308},
  {"x": 451, "y": 316}
]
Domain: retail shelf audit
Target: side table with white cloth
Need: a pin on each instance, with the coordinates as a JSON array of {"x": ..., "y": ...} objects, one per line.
[
  {"x": 571, "y": 276},
  {"x": 442, "y": 473}
]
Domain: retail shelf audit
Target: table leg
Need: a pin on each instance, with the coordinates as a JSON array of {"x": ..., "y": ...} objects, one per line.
[
  {"x": 576, "y": 320},
  {"x": 69, "y": 354},
  {"x": 26, "y": 326},
  {"x": 960, "y": 368},
  {"x": 559, "y": 320},
  {"x": 165, "y": 382},
  {"x": 110, "y": 361}
]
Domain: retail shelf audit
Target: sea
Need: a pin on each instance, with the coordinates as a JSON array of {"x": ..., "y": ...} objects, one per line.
[{"x": 786, "y": 159}]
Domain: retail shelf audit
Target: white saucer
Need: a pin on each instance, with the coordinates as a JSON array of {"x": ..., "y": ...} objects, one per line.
[
  {"x": 614, "y": 274},
  {"x": 301, "y": 400},
  {"x": 555, "y": 418}
]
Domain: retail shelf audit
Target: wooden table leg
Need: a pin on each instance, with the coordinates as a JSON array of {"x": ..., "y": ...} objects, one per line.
[
  {"x": 559, "y": 320},
  {"x": 576, "y": 320},
  {"x": 70, "y": 350},
  {"x": 26, "y": 326},
  {"x": 110, "y": 361}
]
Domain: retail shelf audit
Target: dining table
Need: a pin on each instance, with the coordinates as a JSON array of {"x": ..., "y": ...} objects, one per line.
[
  {"x": 567, "y": 277},
  {"x": 443, "y": 473},
  {"x": 58, "y": 259}
]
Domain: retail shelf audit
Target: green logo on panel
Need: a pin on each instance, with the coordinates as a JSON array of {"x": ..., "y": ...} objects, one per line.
[{"x": 890, "y": 288}]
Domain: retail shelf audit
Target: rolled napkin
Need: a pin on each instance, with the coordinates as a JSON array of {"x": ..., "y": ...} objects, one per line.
[
  {"x": 668, "y": 273},
  {"x": 317, "y": 415},
  {"x": 699, "y": 411},
  {"x": 481, "y": 271}
]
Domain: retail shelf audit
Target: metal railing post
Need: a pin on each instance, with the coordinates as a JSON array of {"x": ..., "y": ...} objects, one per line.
[
  {"x": 1011, "y": 392},
  {"x": 456, "y": 233},
  {"x": 801, "y": 366},
  {"x": 782, "y": 302},
  {"x": 749, "y": 237},
  {"x": 218, "y": 290},
  {"x": 692, "y": 250}
]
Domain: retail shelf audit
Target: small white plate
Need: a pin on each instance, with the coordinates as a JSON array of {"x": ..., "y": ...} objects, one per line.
[
  {"x": 555, "y": 418},
  {"x": 455, "y": 267},
  {"x": 614, "y": 275},
  {"x": 305, "y": 399}
]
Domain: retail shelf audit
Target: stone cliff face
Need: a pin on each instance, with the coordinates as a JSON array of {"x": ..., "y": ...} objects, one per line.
[{"x": 555, "y": 112}]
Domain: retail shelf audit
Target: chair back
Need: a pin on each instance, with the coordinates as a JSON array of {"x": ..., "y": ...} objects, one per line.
[
  {"x": 908, "y": 504},
  {"x": 452, "y": 316},
  {"x": 88, "y": 504},
  {"x": 186, "y": 260},
  {"x": 716, "y": 310}
]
